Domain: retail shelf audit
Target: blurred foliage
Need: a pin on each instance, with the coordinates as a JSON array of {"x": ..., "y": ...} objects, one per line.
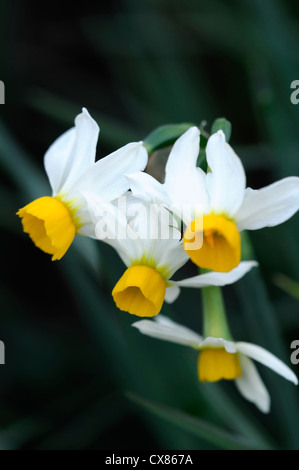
[{"x": 77, "y": 376}]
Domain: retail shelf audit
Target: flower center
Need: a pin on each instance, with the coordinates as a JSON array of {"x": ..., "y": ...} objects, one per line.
[
  {"x": 50, "y": 224},
  {"x": 213, "y": 242},
  {"x": 140, "y": 291},
  {"x": 216, "y": 363}
]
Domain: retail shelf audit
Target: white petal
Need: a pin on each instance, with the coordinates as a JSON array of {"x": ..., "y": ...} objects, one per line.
[
  {"x": 184, "y": 182},
  {"x": 213, "y": 342},
  {"x": 216, "y": 278},
  {"x": 88, "y": 227},
  {"x": 160, "y": 239},
  {"x": 128, "y": 204},
  {"x": 58, "y": 159},
  {"x": 226, "y": 181},
  {"x": 151, "y": 220},
  {"x": 107, "y": 176},
  {"x": 251, "y": 386},
  {"x": 146, "y": 187},
  {"x": 270, "y": 205},
  {"x": 167, "y": 248},
  {"x": 167, "y": 330},
  {"x": 111, "y": 226},
  {"x": 267, "y": 359},
  {"x": 184, "y": 153},
  {"x": 145, "y": 227},
  {"x": 172, "y": 293},
  {"x": 174, "y": 257},
  {"x": 72, "y": 153}
]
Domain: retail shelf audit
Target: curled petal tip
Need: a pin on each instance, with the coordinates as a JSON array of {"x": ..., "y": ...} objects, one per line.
[
  {"x": 85, "y": 112},
  {"x": 221, "y": 134},
  {"x": 193, "y": 130},
  {"x": 138, "y": 144}
]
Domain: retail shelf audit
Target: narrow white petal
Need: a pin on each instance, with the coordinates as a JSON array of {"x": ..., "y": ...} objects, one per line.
[
  {"x": 267, "y": 359},
  {"x": 167, "y": 330},
  {"x": 174, "y": 256},
  {"x": 107, "y": 176},
  {"x": 127, "y": 203},
  {"x": 269, "y": 206},
  {"x": 226, "y": 181},
  {"x": 213, "y": 342},
  {"x": 72, "y": 153},
  {"x": 152, "y": 221},
  {"x": 110, "y": 226},
  {"x": 184, "y": 182},
  {"x": 88, "y": 230},
  {"x": 183, "y": 154},
  {"x": 216, "y": 278},
  {"x": 88, "y": 227},
  {"x": 57, "y": 160},
  {"x": 159, "y": 237},
  {"x": 251, "y": 386},
  {"x": 145, "y": 227},
  {"x": 146, "y": 187},
  {"x": 172, "y": 293},
  {"x": 166, "y": 245}
]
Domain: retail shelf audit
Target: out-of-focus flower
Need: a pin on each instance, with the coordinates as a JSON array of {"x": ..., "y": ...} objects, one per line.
[
  {"x": 223, "y": 359},
  {"x": 52, "y": 221},
  {"x": 220, "y": 205}
]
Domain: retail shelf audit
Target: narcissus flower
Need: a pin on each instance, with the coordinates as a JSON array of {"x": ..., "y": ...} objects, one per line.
[
  {"x": 150, "y": 246},
  {"x": 52, "y": 221},
  {"x": 223, "y": 359},
  {"x": 220, "y": 205}
]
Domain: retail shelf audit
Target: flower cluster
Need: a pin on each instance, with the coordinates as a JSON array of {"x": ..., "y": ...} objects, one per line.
[{"x": 194, "y": 216}]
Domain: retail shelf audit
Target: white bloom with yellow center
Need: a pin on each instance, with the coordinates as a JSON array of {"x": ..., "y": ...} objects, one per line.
[
  {"x": 220, "y": 204},
  {"x": 52, "y": 221},
  {"x": 222, "y": 359},
  {"x": 150, "y": 246}
]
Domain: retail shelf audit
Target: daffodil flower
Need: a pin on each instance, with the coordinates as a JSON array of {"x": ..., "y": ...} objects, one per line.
[
  {"x": 150, "y": 246},
  {"x": 223, "y": 359},
  {"x": 220, "y": 204},
  {"x": 52, "y": 221}
]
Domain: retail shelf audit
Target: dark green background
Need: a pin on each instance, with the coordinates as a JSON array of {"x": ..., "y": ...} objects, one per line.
[{"x": 77, "y": 376}]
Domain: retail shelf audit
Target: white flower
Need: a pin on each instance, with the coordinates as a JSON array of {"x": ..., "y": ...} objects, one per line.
[
  {"x": 222, "y": 359},
  {"x": 220, "y": 204},
  {"x": 52, "y": 222},
  {"x": 149, "y": 243}
]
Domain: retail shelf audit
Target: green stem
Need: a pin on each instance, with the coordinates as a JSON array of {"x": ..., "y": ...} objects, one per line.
[{"x": 214, "y": 315}]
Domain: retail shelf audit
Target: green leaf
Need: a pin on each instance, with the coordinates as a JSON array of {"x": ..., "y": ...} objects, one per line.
[
  {"x": 288, "y": 285},
  {"x": 194, "y": 425},
  {"x": 21, "y": 431},
  {"x": 223, "y": 125},
  {"x": 164, "y": 136}
]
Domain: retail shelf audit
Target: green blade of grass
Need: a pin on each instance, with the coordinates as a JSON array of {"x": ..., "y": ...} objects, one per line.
[{"x": 194, "y": 425}]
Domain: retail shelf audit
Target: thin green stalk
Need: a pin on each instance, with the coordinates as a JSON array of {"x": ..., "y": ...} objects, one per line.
[{"x": 214, "y": 315}]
